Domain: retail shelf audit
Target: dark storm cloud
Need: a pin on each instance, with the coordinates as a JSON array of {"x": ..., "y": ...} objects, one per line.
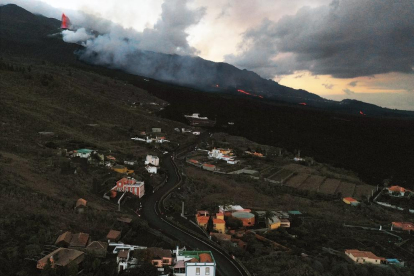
[
  {"x": 345, "y": 39},
  {"x": 353, "y": 83}
]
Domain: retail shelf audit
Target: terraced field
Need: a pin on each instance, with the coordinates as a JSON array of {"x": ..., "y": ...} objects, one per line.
[
  {"x": 297, "y": 180},
  {"x": 329, "y": 186},
  {"x": 282, "y": 174},
  {"x": 312, "y": 183},
  {"x": 346, "y": 189}
]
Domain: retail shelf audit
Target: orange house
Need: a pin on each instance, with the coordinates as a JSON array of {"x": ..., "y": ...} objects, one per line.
[
  {"x": 219, "y": 225},
  {"x": 160, "y": 257},
  {"x": 202, "y": 218}
]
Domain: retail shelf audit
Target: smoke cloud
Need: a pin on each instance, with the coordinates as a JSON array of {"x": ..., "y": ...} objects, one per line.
[
  {"x": 346, "y": 39},
  {"x": 75, "y": 37}
]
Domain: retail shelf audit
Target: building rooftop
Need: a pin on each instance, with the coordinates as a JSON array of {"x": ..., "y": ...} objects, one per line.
[
  {"x": 350, "y": 199},
  {"x": 243, "y": 215},
  {"x": 79, "y": 240},
  {"x": 65, "y": 237},
  {"x": 203, "y": 219},
  {"x": 123, "y": 254},
  {"x": 201, "y": 256},
  {"x": 84, "y": 151},
  {"x": 218, "y": 221},
  {"x": 406, "y": 226},
  {"x": 159, "y": 253},
  {"x": 61, "y": 257},
  {"x": 124, "y": 219},
  {"x": 363, "y": 254},
  {"x": 113, "y": 235},
  {"x": 295, "y": 212},
  {"x": 97, "y": 245},
  {"x": 230, "y": 208},
  {"x": 81, "y": 202},
  {"x": 397, "y": 189}
]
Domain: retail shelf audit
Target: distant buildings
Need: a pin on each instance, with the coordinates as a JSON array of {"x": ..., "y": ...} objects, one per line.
[{"x": 223, "y": 154}]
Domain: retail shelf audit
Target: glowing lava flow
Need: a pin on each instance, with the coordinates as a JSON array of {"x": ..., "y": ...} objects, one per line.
[
  {"x": 362, "y": 113},
  {"x": 247, "y": 93},
  {"x": 302, "y": 103}
]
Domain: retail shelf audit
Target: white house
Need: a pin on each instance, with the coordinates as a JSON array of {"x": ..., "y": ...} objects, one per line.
[
  {"x": 151, "y": 169},
  {"x": 161, "y": 140},
  {"x": 153, "y": 160},
  {"x": 364, "y": 257},
  {"x": 194, "y": 263},
  {"x": 222, "y": 155},
  {"x": 122, "y": 260}
]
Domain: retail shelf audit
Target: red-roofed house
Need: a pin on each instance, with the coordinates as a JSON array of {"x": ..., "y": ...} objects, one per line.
[
  {"x": 364, "y": 257},
  {"x": 80, "y": 205},
  {"x": 79, "y": 241},
  {"x": 113, "y": 236},
  {"x": 209, "y": 167},
  {"x": 404, "y": 226},
  {"x": 397, "y": 190},
  {"x": 202, "y": 218},
  {"x": 129, "y": 184},
  {"x": 351, "y": 201}
]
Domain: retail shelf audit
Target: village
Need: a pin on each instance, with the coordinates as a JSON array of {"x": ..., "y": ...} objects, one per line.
[{"x": 233, "y": 228}]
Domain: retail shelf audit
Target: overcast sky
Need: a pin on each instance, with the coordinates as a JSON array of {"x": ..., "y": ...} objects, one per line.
[{"x": 358, "y": 49}]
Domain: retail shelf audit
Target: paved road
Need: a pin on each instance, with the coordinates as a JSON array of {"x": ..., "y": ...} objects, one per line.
[{"x": 225, "y": 266}]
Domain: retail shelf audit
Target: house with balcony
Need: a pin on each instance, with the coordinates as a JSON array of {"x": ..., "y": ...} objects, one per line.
[
  {"x": 131, "y": 185},
  {"x": 194, "y": 263},
  {"x": 202, "y": 218}
]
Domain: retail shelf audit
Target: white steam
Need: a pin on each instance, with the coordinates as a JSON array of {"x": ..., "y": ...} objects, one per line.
[{"x": 79, "y": 35}]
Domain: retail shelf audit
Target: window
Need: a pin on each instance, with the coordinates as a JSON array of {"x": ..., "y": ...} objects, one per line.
[
  {"x": 197, "y": 271},
  {"x": 207, "y": 271}
]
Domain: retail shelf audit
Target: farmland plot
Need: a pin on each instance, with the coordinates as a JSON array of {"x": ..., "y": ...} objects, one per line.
[
  {"x": 312, "y": 183},
  {"x": 297, "y": 180},
  {"x": 346, "y": 189},
  {"x": 329, "y": 186},
  {"x": 280, "y": 175}
]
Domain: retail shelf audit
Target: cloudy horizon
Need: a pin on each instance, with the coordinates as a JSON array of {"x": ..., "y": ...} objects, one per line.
[{"x": 356, "y": 49}]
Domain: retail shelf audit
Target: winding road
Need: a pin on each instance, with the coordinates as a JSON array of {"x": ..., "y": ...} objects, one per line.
[{"x": 225, "y": 266}]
